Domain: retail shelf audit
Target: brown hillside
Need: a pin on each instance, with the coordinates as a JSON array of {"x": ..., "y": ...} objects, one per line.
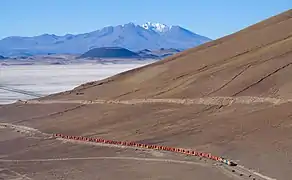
[
  {"x": 255, "y": 132},
  {"x": 255, "y": 62}
]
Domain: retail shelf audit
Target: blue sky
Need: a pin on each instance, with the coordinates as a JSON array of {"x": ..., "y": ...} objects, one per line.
[{"x": 212, "y": 18}]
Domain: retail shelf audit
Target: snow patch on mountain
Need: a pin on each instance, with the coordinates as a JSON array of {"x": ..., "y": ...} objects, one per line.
[{"x": 158, "y": 27}]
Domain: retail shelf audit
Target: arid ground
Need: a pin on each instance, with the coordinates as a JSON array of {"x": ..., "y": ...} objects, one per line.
[{"x": 231, "y": 97}]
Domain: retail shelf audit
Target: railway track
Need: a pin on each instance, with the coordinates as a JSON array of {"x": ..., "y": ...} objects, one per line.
[{"x": 238, "y": 172}]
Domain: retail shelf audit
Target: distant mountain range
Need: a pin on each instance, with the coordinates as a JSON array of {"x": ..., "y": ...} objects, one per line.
[
  {"x": 133, "y": 37},
  {"x": 102, "y": 55}
]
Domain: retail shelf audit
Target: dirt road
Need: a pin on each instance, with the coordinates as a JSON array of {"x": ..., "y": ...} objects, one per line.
[{"x": 203, "y": 101}]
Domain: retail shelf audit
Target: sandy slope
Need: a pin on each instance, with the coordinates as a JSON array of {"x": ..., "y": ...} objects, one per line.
[{"x": 255, "y": 62}]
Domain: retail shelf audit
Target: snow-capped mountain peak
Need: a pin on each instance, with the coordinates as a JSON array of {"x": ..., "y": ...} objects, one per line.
[
  {"x": 158, "y": 27},
  {"x": 130, "y": 36}
]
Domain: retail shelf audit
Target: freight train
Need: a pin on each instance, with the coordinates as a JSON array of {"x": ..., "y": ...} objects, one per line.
[{"x": 179, "y": 150}]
